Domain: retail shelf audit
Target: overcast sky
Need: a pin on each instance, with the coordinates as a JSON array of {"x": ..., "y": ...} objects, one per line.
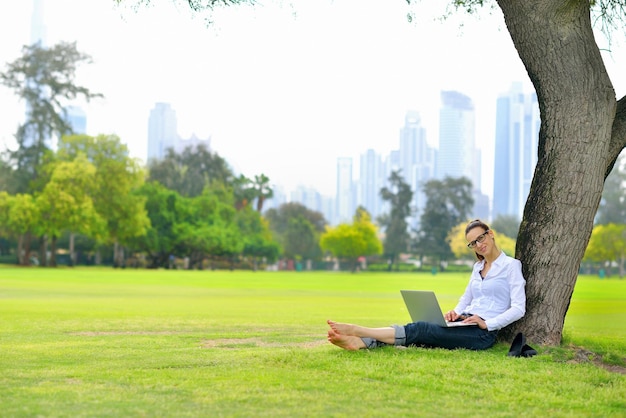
[{"x": 283, "y": 88}]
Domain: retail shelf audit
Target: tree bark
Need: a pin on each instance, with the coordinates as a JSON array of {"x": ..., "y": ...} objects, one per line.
[
  {"x": 43, "y": 251},
  {"x": 579, "y": 140},
  {"x": 53, "y": 251},
  {"x": 72, "y": 249}
]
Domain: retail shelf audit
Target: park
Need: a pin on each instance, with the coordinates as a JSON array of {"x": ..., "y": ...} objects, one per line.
[{"x": 103, "y": 342}]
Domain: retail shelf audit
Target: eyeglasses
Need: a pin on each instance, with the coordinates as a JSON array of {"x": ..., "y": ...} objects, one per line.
[{"x": 478, "y": 240}]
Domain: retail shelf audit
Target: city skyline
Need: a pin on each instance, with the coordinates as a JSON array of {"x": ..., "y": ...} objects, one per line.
[{"x": 275, "y": 93}]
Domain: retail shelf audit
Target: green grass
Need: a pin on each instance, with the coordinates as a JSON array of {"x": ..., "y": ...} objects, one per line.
[{"x": 129, "y": 343}]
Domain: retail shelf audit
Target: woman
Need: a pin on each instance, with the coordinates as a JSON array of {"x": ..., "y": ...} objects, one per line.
[{"x": 494, "y": 298}]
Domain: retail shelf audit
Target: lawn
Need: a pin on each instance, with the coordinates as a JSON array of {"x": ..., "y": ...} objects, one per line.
[{"x": 129, "y": 343}]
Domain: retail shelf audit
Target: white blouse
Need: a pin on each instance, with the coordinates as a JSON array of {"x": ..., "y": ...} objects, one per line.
[{"x": 499, "y": 298}]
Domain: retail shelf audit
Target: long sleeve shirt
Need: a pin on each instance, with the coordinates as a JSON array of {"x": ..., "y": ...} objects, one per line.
[{"x": 499, "y": 298}]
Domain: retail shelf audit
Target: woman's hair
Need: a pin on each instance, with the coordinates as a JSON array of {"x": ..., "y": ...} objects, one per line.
[{"x": 477, "y": 223}]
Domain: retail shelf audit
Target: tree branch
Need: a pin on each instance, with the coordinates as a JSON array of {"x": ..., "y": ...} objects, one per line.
[{"x": 618, "y": 134}]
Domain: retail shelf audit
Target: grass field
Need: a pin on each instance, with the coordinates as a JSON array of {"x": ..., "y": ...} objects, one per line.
[{"x": 136, "y": 343}]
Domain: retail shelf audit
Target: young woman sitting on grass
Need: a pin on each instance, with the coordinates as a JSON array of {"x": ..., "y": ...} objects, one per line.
[{"x": 494, "y": 298}]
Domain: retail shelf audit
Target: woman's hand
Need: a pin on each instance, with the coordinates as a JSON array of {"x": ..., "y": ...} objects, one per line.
[
  {"x": 451, "y": 316},
  {"x": 475, "y": 319}
]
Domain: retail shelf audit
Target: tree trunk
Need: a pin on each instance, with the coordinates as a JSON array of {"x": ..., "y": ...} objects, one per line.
[
  {"x": 43, "y": 251},
  {"x": 21, "y": 255},
  {"x": 72, "y": 252},
  {"x": 118, "y": 255},
  {"x": 53, "y": 251},
  {"x": 578, "y": 144}
]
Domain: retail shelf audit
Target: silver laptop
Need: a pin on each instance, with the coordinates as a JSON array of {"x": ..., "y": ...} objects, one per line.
[{"x": 423, "y": 306}]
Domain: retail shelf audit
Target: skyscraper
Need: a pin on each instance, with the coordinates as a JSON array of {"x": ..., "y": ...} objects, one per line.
[
  {"x": 417, "y": 160},
  {"x": 458, "y": 156},
  {"x": 162, "y": 131},
  {"x": 37, "y": 36},
  {"x": 37, "y": 27},
  {"x": 371, "y": 180},
  {"x": 344, "y": 201},
  {"x": 517, "y": 135}
]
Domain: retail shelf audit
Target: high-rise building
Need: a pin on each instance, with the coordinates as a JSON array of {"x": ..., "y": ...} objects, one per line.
[
  {"x": 162, "y": 131},
  {"x": 37, "y": 36},
  {"x": 308, "y": 197},
  {"x": 344, "y": 201},
  {"x": 417, "y": 161},
  {"x": 37, "y": 26},
  {"x": 517, "y": 136},
  {"x": 371, "y": 180},
  {"x": 279, "y": 198},
  {"x": 458, "y": 156},
  {"x": 192, "y": 142}
]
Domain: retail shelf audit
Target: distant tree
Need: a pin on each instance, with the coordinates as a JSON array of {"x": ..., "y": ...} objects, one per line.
[
  {"x": 189, "y": 172},
  {"x": 279, "y": 218},
  {"x": 507, "y": 225},
  {"x": 6, "y": 175},
  {"x": 5, "y": 230},
  {"x": 399, "y": 196},
  {"x": 117, "y": 177},
  {"x": 297, "y": 229},
  {"x": 66, "y": 203},
  {"x": 608, "y": 245},
  {"x": 257, "y": 237},
  {"x": 612, "y": 207},
  {"x": 23, "y": 220},
  {"x": 162, "y": 207},
  {"x": 209, "y": 227},
  {"x": 263, "y": 191},
  {"x": 301, "y": 241},
  {"x": 448, "y": 203},
  {"x": 44, "y": 78},
  {"x": 243, "y": 191},
  {"x": 351, "y": 241}
]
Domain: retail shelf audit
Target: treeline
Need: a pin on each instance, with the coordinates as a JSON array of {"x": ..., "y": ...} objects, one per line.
[
  {"x": 88, "y": 201},
  {"x": 89, "y": 197}
]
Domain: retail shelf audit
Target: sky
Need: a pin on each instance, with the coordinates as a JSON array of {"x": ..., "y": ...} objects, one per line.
[{"x": 286, "y": 87}]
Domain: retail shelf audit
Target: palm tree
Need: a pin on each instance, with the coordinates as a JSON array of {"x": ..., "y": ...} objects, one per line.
[{"x": 263, "y": 190}]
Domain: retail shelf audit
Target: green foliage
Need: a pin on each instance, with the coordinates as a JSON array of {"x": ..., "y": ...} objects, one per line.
[
  {"x": 44, "y": 78},
  {"x": 257, "y": 237},
  {"x": 351, "y": 241},
  {"x": 66, "y": 202},
  {"x": 297, "y": 229},
  {"x": 448, "y": 203},
  {"x": 117, "y": 176},
  {"x": 262, "y": 189},
  {"x": 399, "y": 196},
  {"x": 612, "y": 207},
  {"x": 608, "y": 244},
  {"x": 162, "y": 207},
  {"x": 507, "y": 225},
  {"x": 191, "y": 171}
]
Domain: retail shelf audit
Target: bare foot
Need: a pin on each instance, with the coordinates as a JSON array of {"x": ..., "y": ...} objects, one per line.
[
  {"x": 347, "y": 342},
  {"x": 341, "y": 328}
]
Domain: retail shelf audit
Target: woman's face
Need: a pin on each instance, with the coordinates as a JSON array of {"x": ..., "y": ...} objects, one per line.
[{"x": 479, "y": 240}]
